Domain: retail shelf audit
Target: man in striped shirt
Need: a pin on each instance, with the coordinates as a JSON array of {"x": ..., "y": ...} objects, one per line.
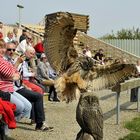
[{"x": 8, "y": 74}]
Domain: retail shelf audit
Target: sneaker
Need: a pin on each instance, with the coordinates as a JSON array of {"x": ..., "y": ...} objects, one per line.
[
  {"x": 46, "y": 94},
  {"x": 56, "y": 100},
  {"x": 44, "y": 128},
  {"x": 50, "y": 99}
]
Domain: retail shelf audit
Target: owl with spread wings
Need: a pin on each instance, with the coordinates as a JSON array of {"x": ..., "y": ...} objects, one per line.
[
  {"x": 77, "y": 72},
  {"x": 74, "y": 71}
]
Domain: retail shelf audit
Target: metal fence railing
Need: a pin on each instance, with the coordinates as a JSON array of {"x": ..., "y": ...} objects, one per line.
[{"x": 129, "y": 45}]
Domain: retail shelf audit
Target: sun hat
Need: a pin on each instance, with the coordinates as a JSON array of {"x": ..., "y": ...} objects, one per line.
[{"x": 43, "y": 55}]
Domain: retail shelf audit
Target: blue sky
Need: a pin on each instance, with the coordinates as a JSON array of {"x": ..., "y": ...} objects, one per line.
[{"x": 105, "y": 15}]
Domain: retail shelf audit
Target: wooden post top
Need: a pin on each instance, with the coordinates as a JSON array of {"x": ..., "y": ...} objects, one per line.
[{"x": 128, "y": 84}]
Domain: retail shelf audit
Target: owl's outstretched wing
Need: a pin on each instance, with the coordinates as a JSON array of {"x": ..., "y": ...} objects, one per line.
[
  {"x": 59, "y": 34},
  {"x": 110, "y": 76}
]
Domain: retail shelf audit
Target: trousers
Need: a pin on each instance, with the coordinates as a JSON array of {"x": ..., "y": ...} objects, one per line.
[
  {"x": 37, "y": 100},
  {"x": 23, "y": 106}
]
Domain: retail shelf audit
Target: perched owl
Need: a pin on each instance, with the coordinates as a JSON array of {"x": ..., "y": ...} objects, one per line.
[
  {"x": 90, "y": 117},
  {"x": 77, "y": 72}
]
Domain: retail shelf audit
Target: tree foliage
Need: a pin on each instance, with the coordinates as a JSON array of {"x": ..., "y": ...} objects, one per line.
[{"x": 124, "y": 34}]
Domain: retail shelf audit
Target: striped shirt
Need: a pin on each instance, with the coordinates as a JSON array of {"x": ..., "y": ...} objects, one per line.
[{"x": 6, "y": 72}]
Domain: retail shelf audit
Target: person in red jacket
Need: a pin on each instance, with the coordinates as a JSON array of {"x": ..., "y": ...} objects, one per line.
[
  {"x": 7, "y": 110},
  {"x": 39, "y": 48}
]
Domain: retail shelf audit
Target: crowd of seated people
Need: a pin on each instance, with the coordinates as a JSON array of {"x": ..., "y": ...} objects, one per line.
[
  {"x": 98, "y": 57},
  {"x": 19, "y": 84}
]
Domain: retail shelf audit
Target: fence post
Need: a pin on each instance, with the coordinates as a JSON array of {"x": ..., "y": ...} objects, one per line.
[{"x": 118, "y": 108}]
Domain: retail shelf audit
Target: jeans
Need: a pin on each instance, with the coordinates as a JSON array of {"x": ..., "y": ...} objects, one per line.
[
  {"x": 37, "y": 100},
  {"x": 23, "y": 106}
]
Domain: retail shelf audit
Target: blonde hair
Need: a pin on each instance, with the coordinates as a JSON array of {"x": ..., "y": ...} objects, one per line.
[{"x": 9, "y": 32}]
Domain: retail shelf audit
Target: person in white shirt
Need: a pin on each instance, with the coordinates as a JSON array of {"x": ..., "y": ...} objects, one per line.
[
  {"x": 29, "y": 74},
  {"x": 9, "y": 37},
  {"x": 134, "y": 91},
  {"x": 87, "y": 51},
  {"x": 23, "y": 45},
  {"x": 138, "y": 67}
]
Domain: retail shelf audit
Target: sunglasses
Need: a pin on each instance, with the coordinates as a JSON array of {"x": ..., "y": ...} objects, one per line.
[
  {"x": 29, "y": 38},
  {"x": 11, "y": 50}
]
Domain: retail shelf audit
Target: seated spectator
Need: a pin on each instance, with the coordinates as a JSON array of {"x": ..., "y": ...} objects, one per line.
[
  {"x": 15, "y": 35},
  {"x": 99, "y": 56},
  {"x": 1, "y": 27},
  {"x": 23, "y": 36},
  {"x": 134, "y": 91},
  {"x": 39, "y": 48},
  {"x": 28, "y": 73},
  {"x": 35, "y": 98},
  {"x": 87, "y": 51},
  {"x": 46, "y": 75},
  {"x": 26, "y": 43},
  {"x": 1, "y": 35},
  {"x": 9, "y": 37},
  {"x": 8, "y": 74}
]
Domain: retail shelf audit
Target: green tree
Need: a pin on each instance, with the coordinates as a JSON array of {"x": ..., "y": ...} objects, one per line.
[{"x": 124, "y": 34}]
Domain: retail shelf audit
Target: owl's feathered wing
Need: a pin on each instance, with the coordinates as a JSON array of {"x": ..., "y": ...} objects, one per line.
[
  {"x": 59, "y": 34},
  {"x": 73, "y": 71},
  {"x": 110, "y": 76},
  {"x": 89, "y": 116}
]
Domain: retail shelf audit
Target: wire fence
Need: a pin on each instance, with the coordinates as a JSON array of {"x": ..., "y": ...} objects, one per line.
[{"x": 131, "y": 46}]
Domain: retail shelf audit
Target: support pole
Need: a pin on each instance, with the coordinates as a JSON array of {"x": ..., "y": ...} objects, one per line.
[
  {"x": 118, "y": 108},
  {"x": 138, "y": 100},
  {"x": 19, "y": 18}
]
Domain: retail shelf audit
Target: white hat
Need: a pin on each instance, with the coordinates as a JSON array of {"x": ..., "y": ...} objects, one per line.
[{"x": 43, "y": 55}]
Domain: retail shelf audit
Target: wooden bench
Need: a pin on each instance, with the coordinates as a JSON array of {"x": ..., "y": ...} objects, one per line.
[{"x": 127, "y": 85}]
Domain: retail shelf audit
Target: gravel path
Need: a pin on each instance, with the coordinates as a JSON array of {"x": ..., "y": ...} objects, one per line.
[{"x": 62, "y": 117}]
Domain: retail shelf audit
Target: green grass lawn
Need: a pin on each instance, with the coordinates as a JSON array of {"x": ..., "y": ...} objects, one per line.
[
  {"x": 131, "y": 136},
  {"x": 133, "y": 126}
]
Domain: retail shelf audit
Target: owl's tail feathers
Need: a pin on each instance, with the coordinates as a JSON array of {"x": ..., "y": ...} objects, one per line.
[
  {"x": 66, "y": 90},
  {"x": 60, "y": 85}
]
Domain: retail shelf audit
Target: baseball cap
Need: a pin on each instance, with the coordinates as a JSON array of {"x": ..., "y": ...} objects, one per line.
[{"x": 43, "y": 55}]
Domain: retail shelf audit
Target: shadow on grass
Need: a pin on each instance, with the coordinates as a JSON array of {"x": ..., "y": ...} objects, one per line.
[
  {"x": 9, "y": 138},
  {"x": 112, "y": 112},
  {"x": 107, "y": 96},
  {"x": 26, "y": 128},
  {"x": 26, "y": 123}
]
